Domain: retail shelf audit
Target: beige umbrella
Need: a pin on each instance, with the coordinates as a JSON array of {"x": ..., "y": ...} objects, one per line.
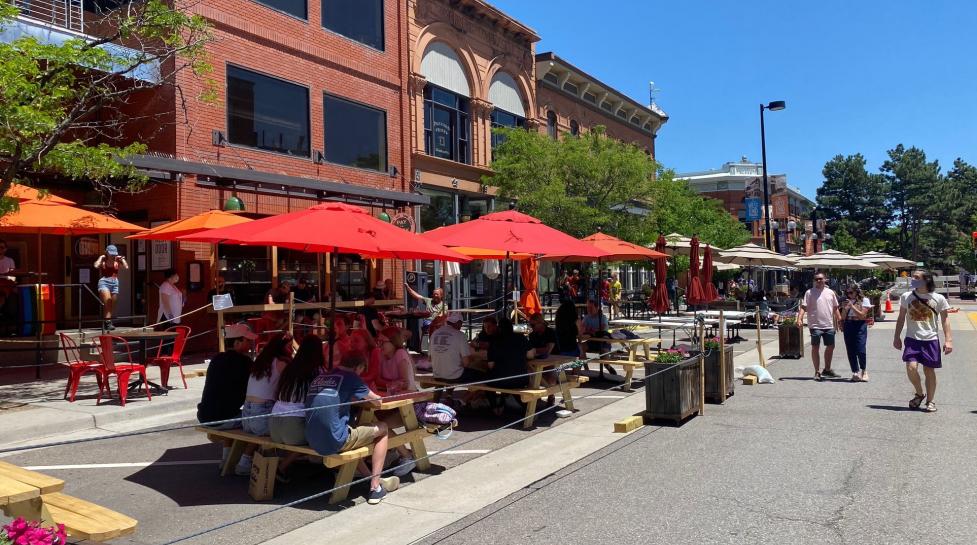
[
  {"x": 793, "y": 256},
  {"x": 724, "y": 267},
  {"x": 751, "y": 255},
  {"x": 887, "y": 261},
  {"x": 833, "y": 259},
  {"x": 676, "y": 244}
]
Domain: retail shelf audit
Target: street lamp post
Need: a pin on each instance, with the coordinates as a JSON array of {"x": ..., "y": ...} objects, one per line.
[{"x": 773, "y": 107}]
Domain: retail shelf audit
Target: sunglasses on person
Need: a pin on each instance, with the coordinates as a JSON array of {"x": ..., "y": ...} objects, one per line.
[{"x": 819, "y": 279}]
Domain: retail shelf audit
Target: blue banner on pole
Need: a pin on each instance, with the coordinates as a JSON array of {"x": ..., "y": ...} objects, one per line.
[{"x": 754, "y": 209}]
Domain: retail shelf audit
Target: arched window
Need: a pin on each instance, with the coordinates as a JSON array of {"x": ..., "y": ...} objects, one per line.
[
  {"x": 574, "y": 127},
  {"x": 551, "y": 124},
  {"x": 447, "y": 125},
  {"x": 508, "y": 112}
]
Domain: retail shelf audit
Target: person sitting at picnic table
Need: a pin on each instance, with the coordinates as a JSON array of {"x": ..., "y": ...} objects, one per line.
[
  {"x": 287, "y": 422},
  {"x": 396, "y": 365},
  {"x": 594, "y": 324},
  {"x": 327, "y": 425},
  {"x": 263, "y": 383},
  {"x": 567, "y": 329},
  {"x": 542, "y": 337},
  {"x": 361, "y": 341},
  {"x": 451, "y": 355},
  {"x": 435, "y": 305},
  {"x": 341, "y": 342},
  {"x": 507, "y": 363},
  {"x": 225, "y": 389},
  {"x": 372, "y": 318},
  {"x": 488, "y": 334}
]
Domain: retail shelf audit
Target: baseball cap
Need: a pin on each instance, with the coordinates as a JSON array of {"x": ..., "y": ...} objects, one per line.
[
  {"x": 235, "y": 331},
  {"x": 379, "y": 285},
  {"x": 111, "y": 250},
  {"x": 455, "y": 318}
]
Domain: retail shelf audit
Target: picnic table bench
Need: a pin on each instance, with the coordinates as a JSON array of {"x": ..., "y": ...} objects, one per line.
[
  {"x": 529, "y": 395},
  {"x": 345, "y": 461},
  {"x": 36, "y": 496},
  {"x": 631, "y": 347}
]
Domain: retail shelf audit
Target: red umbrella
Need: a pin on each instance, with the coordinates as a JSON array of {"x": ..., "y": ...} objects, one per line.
[
  {"x": 659, "y": 299},
  {"x": 512, "y": 231},
  {"x": 709, "y": 289},
  {"x": 695, "y": 295},
  {"x": 331, "y": 228}
]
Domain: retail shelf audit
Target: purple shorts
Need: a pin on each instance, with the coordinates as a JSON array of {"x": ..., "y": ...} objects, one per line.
[{"x": 927, "y": 353}]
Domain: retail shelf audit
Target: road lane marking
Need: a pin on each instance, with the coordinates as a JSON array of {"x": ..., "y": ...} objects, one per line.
[
  {"x": 601, "y": 397},
  {"x": 192, "y": 462}
]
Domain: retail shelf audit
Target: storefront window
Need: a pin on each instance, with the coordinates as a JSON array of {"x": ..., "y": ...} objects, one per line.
[
  {"x": 447, "y": 127},
  {"x": 352, "y": 273},
  {"x": 500, "y": 119},
  {"x": 440, "y": 212}
]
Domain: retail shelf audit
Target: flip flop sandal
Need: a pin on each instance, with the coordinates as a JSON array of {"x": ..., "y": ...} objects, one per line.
[
  {"x": 930, "y": 407},
  {"x": 818, "y": 378},
  {"x": 915, "y": 402},
  {"x": 855, "y": 378}
]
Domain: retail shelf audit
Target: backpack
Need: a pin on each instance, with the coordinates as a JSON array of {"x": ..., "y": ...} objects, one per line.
[{"x": 434, "y": 413}]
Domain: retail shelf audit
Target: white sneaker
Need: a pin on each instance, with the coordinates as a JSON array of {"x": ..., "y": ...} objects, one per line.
[
  {"x": 404, "y": 466},
  {"x": 242, "y": 470}
]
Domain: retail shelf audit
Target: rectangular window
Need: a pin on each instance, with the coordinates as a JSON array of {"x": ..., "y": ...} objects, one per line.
[
  {"x": 295, "y": 8},
  {"x": 551, "y": 77},
  {"x": 622, "y": 114},
  {"x": 607, "y": 106},
  {"x": 267, "y": 113},
  {"x": 570, "y": 87},
  {"x": 360, "y": 20},
  {"x": 446, "y": 125},
  {"x": 590, "y": 97},
  {"x": 355, "y": 135}
]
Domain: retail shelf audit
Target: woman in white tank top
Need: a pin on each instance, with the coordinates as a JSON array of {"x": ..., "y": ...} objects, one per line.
[{"x": 263, "y": 383}]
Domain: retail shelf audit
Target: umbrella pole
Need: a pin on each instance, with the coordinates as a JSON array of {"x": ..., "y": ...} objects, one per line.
[
  {"x": 505, "y": 285},
  {"x": 332, "y": 307},
  {"x": 37, "y": 313}
]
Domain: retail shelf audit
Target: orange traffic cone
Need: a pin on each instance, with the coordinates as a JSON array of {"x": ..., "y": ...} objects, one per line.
[{"x": 888, "y": 305}]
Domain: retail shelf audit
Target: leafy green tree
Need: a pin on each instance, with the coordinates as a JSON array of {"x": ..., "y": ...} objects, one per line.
[
  {"x": 677, "y": 208},
  {"x": 853, "y": 201},
  {"x": 913, "y": 182},
  {"x": 61, "y": 104},
  {"x": 576, "y": 184}
]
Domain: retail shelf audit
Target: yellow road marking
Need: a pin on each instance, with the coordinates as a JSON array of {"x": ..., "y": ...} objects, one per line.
[{"x": 973, "y": 318}]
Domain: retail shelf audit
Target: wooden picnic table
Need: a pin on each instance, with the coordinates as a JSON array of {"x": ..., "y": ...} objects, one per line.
[
  {"x": 404, "y": 404},
  {"x": 538, "y": 365},
  {"x": 631, "y": 346}
]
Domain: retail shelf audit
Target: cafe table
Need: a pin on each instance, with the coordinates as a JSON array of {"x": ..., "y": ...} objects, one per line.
[
  {"x": 143, "y": 336},
  {"x": 404, "y": 405}
]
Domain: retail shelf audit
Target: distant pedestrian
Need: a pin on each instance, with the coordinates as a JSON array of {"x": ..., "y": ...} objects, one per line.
[
  {"x": 918, "y": 311},
  {"x": 821, "y": 304},
  {"x": 855, "y": 311}
]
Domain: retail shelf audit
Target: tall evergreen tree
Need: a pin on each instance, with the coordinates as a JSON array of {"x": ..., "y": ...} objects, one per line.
[
  {"x": 913, "y": 185},
  {"x": 853, "y": 201}
]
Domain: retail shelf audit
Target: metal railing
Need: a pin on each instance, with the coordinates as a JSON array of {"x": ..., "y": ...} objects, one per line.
[{"x": 67, "y": 14}]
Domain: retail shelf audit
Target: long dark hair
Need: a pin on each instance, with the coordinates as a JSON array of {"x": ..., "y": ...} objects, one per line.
[
  {"x": 928, "y": 278},
  {"x": 566, "y": 317},
  {"x": 505, "y": 329},
  {"x": 276, "y": 348},
  {"x": 299, "y": 373},
  {"x": 858, "y": 291}
]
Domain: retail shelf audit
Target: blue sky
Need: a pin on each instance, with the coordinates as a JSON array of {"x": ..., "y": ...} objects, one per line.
[{"x": 857, "y": 75}]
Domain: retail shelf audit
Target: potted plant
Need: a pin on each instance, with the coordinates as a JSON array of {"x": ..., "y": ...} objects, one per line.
[
  {"x": 673, "y": 383},
  {"x": 791, "y": 339},
  {"x": 875, "y": 296},
  {"x": 718, "y": 370}
]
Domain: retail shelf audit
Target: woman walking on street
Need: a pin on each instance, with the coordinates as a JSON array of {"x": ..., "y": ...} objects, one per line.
[
  {"x": 855, "y": 311},
  {"x": 918, "y": 311}
]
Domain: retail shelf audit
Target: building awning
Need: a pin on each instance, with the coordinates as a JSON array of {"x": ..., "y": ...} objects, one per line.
[{"x": 273, "y": 183}]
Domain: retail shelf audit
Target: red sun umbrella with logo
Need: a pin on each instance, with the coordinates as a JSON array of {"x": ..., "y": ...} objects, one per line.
[
  {"x": 694, "y": 295},
  {"x": 708, "y": 288},
  {"x": 659, "y": 299}
]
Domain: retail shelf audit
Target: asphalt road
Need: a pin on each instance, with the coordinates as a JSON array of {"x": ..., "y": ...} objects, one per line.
[{"x": 796, "y": 462}]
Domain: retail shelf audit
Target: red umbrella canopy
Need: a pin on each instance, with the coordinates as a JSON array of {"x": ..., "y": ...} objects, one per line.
[
  {"x": 659, "y": 299},
  {"x": 709, "y": 289},
  {"x": 615, "y": 248},
  {"x": 694, "y": 295},
  {"x": 512, "y": 231},
  {"x": 334, "y": 228}
]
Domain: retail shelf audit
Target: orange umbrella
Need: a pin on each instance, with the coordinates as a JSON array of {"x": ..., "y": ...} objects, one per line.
[
  {"x": 46, "y": 217},
  {"x": 528, "y": 270},
  {"x": 614, "y": 249},
  {"x": 27, "y": 193},
  {"x": 212, "y": 219}
]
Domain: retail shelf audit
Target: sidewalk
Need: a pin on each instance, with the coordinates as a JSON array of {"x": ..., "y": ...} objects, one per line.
[{"x": 33, "y": 409}]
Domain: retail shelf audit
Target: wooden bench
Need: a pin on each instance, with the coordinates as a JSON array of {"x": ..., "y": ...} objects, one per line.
[
  {"x": 36, "y": 496},
  {"x": 628, "y": 367},
  {"x": 530, "y": 396},
  {"x": 345, "y": 461}
]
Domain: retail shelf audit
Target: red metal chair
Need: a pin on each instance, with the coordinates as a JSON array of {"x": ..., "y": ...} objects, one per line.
[
  {"x": 121, "y": 370},
  {"x": 165, "y": 362},
  {"x": 78, "y": 368}
]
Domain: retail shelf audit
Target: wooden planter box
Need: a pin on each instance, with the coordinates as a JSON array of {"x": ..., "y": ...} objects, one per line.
[
  {"x": 675, "y": 393},
  {"x": 714, "y": 372},
  {"x": 791, "y": 342},
  {"x": 877, "y": 307}
]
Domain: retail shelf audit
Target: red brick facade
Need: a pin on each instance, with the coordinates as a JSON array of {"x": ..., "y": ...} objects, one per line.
[{"x": 569, "y": 108}]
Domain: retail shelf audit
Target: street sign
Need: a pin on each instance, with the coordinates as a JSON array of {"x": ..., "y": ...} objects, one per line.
[{"x": 754, "y": 209}]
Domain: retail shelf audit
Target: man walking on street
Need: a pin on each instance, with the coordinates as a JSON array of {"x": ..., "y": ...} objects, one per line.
[{"x": 821, "y": 304}]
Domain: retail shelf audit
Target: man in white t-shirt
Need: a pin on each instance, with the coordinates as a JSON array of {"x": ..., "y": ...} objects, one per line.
[
  {"x": 451, "y": 354},
  {"x": 820, "y": 304},
  {"x": 6, "y": 263},
  {"x": 923, "y": 312}
]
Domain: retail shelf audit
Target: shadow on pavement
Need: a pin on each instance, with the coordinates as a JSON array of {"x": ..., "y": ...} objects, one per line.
[{"x": 894, "y": 408}]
